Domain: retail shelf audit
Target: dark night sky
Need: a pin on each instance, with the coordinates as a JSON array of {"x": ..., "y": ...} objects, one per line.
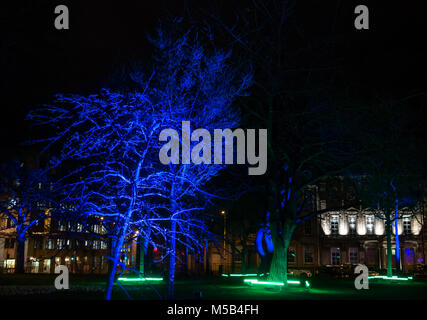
[{"x": 38, "y": 61}]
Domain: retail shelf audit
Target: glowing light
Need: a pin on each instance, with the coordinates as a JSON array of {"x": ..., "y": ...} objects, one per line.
[
  {"x": 140, "y": 279},
  {"x": 390, "y": 278},
  {"x": 307, "y": 284},
  {"x": 255, "y": 281},
  {"x": 239, "y": 275}
]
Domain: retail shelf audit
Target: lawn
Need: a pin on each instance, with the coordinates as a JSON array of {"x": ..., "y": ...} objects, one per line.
[{"x": 83, "y": 287}]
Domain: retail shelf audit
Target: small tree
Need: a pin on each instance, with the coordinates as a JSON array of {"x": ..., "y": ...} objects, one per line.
[{"x": 27, "y": 194}]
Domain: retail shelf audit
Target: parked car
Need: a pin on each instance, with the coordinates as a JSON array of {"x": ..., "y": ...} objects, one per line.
[{"x": 300, "y": 272}]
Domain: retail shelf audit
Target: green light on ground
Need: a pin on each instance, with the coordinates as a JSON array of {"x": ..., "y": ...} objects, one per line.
[
  {"x": 272, "y": 283},
  {"x": 307, "y": 284},
  {"x": 390, "y": 278},
  {"x": 139, "y": 279}
]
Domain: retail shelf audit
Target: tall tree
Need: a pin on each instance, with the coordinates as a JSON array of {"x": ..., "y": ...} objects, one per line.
[
  {"x": 112, "y": 141},
  {"x": 308, "y": 138}
]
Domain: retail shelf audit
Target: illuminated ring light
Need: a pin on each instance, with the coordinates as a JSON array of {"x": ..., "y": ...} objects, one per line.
[{"x": 264, "y": 233}]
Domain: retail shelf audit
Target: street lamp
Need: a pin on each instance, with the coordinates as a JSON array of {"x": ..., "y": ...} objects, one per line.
[{"x": 224, "y": 214}]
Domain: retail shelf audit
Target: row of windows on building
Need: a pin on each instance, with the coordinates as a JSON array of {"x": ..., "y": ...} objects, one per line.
[
  {"x": 335, "y": 255},
  {"x": 52, "y": 244},
  {"x": 78, "y": 227},
  {"x": 7, "y": 223},
  {"x": 44, "y": 265},
  {"x": 370, "y": 224}
]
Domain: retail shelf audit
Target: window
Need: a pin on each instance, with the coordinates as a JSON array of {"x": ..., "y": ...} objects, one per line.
[
  {"x": 60, "y": 243},
  {"x": 61, "y": 226},
  {"x": 79, "y": 227},
  {"x": 291, "y": 254},
  {"x": 95, "y": 228},
  {"x": 104, "y": 245},
  {"x": 57, "y": 261},
  {"x": 352, "y": 224},
  {"x": 50, "y": 244},
  {"x": 9, "y": 264},
  {"x": 9, "y": 243},
  {"x": 96, "y": 244},
  {"x": 46, "y": 265},
  {"x": 38, "y": 243},
  {"x": 407, "y": 225},
  {"x": 307, "y": 227},
  {"x": 308, "y": 254},
  {"x": 335, "y": 256},
  {"x": 370, "y": 224},
  {"x": 71, "y": 227},
  {"x": 334, "y": 225},
  {"x": 101, "y": 262},
  {"x": 353, "y": 255}
]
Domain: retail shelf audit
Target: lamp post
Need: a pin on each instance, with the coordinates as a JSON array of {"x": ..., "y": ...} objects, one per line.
[{"x": 224, "y": 214}]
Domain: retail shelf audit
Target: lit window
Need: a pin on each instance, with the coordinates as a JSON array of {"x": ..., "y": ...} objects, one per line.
[
  {"x": 95, "y": 228},
  {"x": 370, "y": 224},
  {"x": 407, "y": 225},
  {"x": 96, "y": 244},
  {"x": 334, "y": 225},
  {"x": 60, "y": 243},
  {"x": 352, "y": 224},
  {"x": 50, "y": 244}
]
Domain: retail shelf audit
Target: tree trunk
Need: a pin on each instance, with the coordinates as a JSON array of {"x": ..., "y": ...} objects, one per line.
[
  {"x": 389, "y": 257},
  {"x": 140, "y": 258},
  {"x": 396, "y": 229},
  {"x": 243, "y": 259},
  {"x": 279, "y": 263},
  {"x": 171, "y": 278},
  {"x": 116, "y": 257},
  {"x": 20, "y": 261}
]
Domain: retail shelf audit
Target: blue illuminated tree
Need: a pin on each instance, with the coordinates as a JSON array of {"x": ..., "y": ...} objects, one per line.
[
  {"x": 109, "y": 145},
  {"x": 198, "y": 84}
]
